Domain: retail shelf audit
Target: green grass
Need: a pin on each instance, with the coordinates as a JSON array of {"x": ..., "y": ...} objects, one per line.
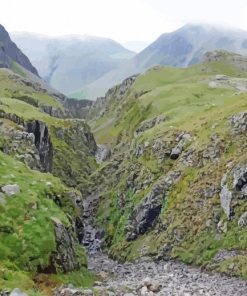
[
  {"x": 10, "y": 89},
  {"x": 27, "y": 234}
]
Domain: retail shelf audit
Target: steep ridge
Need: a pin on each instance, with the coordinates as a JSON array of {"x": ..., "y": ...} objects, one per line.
[
  {"x": 173, "y": 184},
  {"x": 10, "y": 54}
]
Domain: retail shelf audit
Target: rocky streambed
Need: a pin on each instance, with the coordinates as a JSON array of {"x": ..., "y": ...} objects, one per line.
[{"x": 147, "y": 278}]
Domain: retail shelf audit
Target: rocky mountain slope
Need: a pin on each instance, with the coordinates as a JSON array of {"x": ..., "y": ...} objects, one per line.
[
  {"x": 46, "y": 161},
  {"x": 70, "y": 63},
  {"x": 11, "y": 56},
  {"x": 173, "y": 183},
  {"x": 180, "y": 48}
]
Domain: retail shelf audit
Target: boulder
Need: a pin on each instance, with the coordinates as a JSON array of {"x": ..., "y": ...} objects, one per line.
[
  {"x": 17, "y": 292},
  {"x": 11, "y": 190},
  {"x": 242, "y": 222}
]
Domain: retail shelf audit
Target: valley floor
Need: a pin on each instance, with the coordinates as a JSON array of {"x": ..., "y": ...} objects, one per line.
[{"x": 175, "y": 278}]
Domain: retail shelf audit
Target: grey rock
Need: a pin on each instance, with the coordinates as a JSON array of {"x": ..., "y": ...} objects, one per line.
[
  {"x": 17, "y": 292},
  {"x": 238, "y": 122},
  {"x": 242, "y": 222},
  {"x": 225, "y": 197},
  {"x": 176, "y": 152},
  {"x": 65, "y": 257},
  {"x": 42, "y": 141},
  {"x": 146, "y": 213},
  {"x": 102, "y": 154},
  {"x": 11, "y": 190},
  {"x": 182, "y": 140},
  {"x": 150, "y": 123}
]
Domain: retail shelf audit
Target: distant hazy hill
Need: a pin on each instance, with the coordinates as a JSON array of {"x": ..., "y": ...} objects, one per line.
[
  {"x": 10, "y": 54},
  {"x": 70, "y": 63},
  {"x": 180, "y": 48}
]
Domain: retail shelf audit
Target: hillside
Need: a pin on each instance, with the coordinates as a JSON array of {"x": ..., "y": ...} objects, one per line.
[
  {"x": 70, "y": 63},
  {"x": 45, "y": 166},
  {"x": 11, "y": 56},
  {"x": 174, "y": 182},
  {"x": 180, "y": 48}
]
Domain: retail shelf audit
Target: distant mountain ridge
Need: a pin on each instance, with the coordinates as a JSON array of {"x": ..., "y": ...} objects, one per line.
[
  {"x": 86, "y": 67},
  {"x": 181, "y": 48},
  {"x": 70, "y": 63},
  {"x": 10, "y": 54}
]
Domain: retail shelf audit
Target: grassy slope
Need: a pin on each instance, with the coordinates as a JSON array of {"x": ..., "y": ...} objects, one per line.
[
  {"x": 26, "y": 232},
  {"x": 10, "y": 89},
  {"x": 192, "y": 106}
]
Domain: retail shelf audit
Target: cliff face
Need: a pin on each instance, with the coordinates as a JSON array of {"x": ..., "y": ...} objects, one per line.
[{"x": 10, "y": 53}]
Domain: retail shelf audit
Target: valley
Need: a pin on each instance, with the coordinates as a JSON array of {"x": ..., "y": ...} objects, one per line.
[{"x": 140, "y": 192}]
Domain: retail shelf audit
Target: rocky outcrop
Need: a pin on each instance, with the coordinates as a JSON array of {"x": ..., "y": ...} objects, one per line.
[
  {"x": 42, "y": 141},
  {"x": 10, "y": 53},
  {"x": 146, "y": 213},
  {"x": 116, "y": 94},
  {"x": 65, "y": 257},
  {"x": 182, "y": 140},
  {"x": 223, "y": 81},
  {"x": 77, "y": 108},
  {"x": 150, "y": 123},
  {"x": 102, "y": 154},
  {"x": 31, "y": 142},
  {"x": 225, "y": 197},
  {"x": 238, "y": 122}
]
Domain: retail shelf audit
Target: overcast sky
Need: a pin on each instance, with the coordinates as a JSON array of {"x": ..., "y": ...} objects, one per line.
[{"x": 122, "y": 20}]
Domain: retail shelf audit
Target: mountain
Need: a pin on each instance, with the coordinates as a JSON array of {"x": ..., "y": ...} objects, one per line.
[
  {"x": 10, "y": 54},
  {"x": 136, "y": 46},
  {"x": 70, "y": 63},
  {"x": 180, "y": 48}
]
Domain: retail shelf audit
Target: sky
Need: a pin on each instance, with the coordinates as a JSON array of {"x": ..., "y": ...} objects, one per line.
[{"x": 121, "y": 20}]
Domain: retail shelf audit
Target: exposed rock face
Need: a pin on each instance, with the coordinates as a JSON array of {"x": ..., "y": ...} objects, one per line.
[
  {"x": 78, "y": 108},
  {"x": 146, "y": 213},
  {"x": 243, "y": 220},
  {"x": 238, "y": 122},
  {"x": 149, "y": 124},
  {"x": 102, "y": 154},
  {"x": 65, "y": 257},
  {"x": 42, "y": 142},
  {"x": 225, "y": 197},
  {"x": 10, "y": 53},
  {"x": 239, "y": 84},
  {"x": 182, "y": 139},
  {"x": 102, "y": 104}
]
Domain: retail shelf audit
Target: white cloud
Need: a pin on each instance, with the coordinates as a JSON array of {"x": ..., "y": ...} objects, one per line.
[{"x": 122, "y": 20}]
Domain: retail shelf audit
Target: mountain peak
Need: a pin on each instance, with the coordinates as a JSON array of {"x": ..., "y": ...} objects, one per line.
[{"x": 10, "y": 53}]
